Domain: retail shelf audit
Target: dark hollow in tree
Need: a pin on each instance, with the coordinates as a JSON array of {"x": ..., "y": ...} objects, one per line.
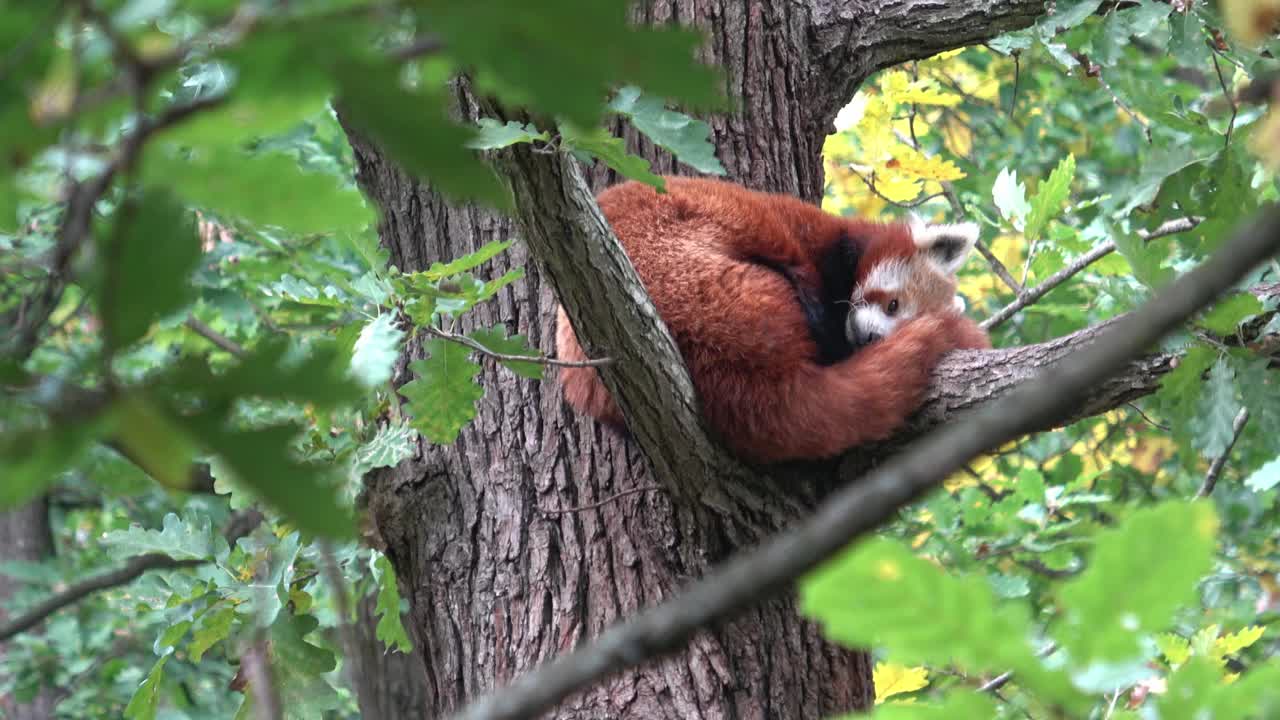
[{"x": 497, "y": 576}]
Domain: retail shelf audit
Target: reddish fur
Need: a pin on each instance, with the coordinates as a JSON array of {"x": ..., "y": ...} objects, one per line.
[{"x": 741, "y": 330}]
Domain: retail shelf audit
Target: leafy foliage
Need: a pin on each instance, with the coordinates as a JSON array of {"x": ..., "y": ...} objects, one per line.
[{"x": 221, "y": 310}]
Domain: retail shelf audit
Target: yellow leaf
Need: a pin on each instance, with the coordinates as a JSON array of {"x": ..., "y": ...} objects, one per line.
[
  {"x": 1175, "y": 648},
  {"x": 911, "y": 162},
  {"x": 893, "y": 679},
  {"x": 897, "y": 188},
  {"x": 1233, "y": 643}
]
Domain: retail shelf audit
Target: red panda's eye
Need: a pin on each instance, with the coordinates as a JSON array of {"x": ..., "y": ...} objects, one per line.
[{"x": 893, "y": 307}]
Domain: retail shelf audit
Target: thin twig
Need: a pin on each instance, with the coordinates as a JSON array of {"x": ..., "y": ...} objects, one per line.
[
  {"x": 871, "y": 185},
  {"x": 215, "y": 337},
  {"x": 773, "y": 566},
  {"x": 998, "y": 267},
  {"x": 1146, "y": 128},
  {"x": 468, "y": 342},
  {"x": 131, "y": 571},
  {"x": 1235, "y": 107},
  {"x": 1153, "y": 423},
  {"x": 1215, "y": 467},
  {"x": 1030, "y": 296},
  {"x": 601, "y": 503},
  {"x": 1003, "y": 678},
  {"x": 237, "y": 528}
]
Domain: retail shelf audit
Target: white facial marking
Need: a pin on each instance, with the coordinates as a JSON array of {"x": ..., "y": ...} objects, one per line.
[
  {"x": 870, "y": 320},
  {"x": 888, "y": 277}
]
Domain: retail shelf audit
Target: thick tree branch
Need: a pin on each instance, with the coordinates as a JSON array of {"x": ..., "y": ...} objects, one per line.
[
  {"x": 847, "y": 48},
  {"x": 1055, "y": 394},
  {"x": 608, "y": 305}
]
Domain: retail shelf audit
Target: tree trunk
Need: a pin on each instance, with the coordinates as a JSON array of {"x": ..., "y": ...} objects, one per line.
[
  {"x": 391, "y": 682},
  {"x": 25, "y": 536},
  {"x": 538, "y": 529}
]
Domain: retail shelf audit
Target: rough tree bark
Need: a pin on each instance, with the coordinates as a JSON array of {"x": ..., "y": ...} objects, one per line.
[
  {"x": 537, "y": 529},
  {"x": 25, "y": 536}
]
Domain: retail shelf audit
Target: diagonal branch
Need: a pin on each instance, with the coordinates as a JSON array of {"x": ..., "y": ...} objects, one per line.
[
  {"x": 608, "y": 305},
  {"x": 239, "y": 525},
  {"x": 754, "y": 576},
  {"x": 847, "y": 48}
]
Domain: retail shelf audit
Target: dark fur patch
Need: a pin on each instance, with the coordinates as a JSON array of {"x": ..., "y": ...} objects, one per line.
[{"x": 826, "y": 308}]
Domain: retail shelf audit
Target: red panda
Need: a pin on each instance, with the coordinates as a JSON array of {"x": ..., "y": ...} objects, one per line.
[{"x": 806, "y": 334}]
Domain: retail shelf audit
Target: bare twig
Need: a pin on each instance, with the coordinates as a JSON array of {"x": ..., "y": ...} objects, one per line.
[
  {"x": 1215, "y": 467},
  {"x": 1030, "y": 296},
  {"x": 132, "y": 570},
  {"x": 998, "y": 267},
  {"x": 1003, "y": 678},
  {"x": 1226, "y": 92},
  {"x": 468, "y": 342},
  {"x": 861, "y": 506},
  {"x": 213, "y": 336},
  {"x": 871, "y": 185}
]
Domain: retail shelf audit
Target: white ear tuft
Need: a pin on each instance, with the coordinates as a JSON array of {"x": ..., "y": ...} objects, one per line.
[
  {"x": 948, "y": 245},
  {"x": 957, "y": 303}
]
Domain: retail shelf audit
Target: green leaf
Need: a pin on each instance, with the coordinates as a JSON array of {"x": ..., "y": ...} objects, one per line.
[
  {"x": 415, "y": 132},
  {"x": 231, "y": 182},
  {"x": 32, "y": 460},
  {"x": 1216, "y": 411},
  {"x": 957, "y": 705},
  {"x": 299, "y": 667},
  {"x": 376, "y": 351},
  {"x": 488, "y": 251},
  {"x": 147, "y": 262},
  {"x": 190, "y": 539},
  {"x": 392, "y": 443},
  {"x": 214, "y": 627},
  {"x": 1069, "y": 14},
  {"x": 895, "y": 591},
  {"x": 146, "y": 699},
  {"x": 442, "y": 399},
  {"x": 520, "y": 53},
  {"x": 278, "y": 370},
  {"x": 1138, "y": 575},
  {"x": 1265, "y": 477},
  {"x": 612, "y": 151},
  {"x": 1180, "y": 389},
  {"x": 1196, "y": 691},
  {"x": 1010, "y": 197},
  {"x": 495, "y": 340},
  {"x": 686, "y": 138},
  {"x": 1261, "y": 391},
  {"x": 261, "y": 460},
  {"x": 1160, "y": 165},
  {"x": 1050, "y": 197},
  {"x": 494, "y": 135},
  {"x": 390, "y": 630},
  {"x": 1145, "y": 258},
  {"x": 1227, "y": 314},
  {"x": 153, "y": 441}
]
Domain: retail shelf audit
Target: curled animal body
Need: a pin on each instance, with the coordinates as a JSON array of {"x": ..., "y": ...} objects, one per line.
[{"x": 806, "y": 334}]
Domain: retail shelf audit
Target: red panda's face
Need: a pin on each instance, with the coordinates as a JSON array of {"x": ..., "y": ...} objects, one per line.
[{"x": 903, "y": 286}]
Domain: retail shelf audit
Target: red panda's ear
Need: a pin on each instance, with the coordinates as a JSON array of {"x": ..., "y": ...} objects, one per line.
[{"x": 947, "y": 245}]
